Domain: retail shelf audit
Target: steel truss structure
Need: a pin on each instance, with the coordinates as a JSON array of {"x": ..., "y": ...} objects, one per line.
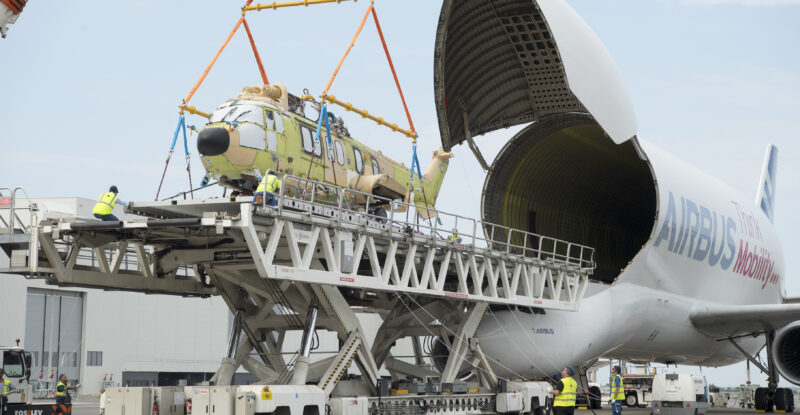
[{"x": 277, "y": 266}]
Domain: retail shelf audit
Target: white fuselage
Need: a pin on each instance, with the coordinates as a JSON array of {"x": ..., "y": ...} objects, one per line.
[{"x": 709, "y": 246}]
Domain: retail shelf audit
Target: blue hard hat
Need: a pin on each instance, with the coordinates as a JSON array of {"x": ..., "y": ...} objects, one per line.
[
  {"x": 570, "y": 369},
  {"x": 617, "y": 368}
]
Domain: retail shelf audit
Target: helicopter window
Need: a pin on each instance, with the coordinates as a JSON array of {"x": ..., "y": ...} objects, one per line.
[
  {"x": 339, "y": 153},
  {"x": 239, "y": 114},
  {"x": 308, "y": 141},
  {"x": 375, "y": 168},
  {"x": 272, "y": 141},
  {"x": 359, "y": 161},
  {"x": 251, "y": 136},
  {"x": 270, "y": 120},
  {"x": 278, "y": 123},
  {"x": 220, "y": 114},
  {"x": 12, "y": 364}
]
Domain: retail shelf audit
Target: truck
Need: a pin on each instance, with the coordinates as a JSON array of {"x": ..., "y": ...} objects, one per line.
[
  {"x": 679, "y": 394},
  {"x": 17, "y": 367}
]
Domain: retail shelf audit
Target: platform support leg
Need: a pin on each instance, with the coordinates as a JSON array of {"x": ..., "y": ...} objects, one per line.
[{"x": 460, "y": 348}]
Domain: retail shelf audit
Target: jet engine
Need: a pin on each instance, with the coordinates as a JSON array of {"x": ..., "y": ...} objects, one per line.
[{"x": 786, "y": 352}]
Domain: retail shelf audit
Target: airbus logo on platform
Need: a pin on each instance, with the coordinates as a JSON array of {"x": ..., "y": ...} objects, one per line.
[
  {"x": 704, "y": 235},
  {"x": 698, "y": 232}
]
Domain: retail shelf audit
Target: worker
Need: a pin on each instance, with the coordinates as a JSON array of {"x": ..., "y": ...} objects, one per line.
[
  {"x": 565, "y": 393},
  {"x": 617, "y": 394},
  {"x": 269, "y": 187},
  {"x": 454, "y": 236},
  {"x": 5, "y": 388},
  {"x": 62, "y": 390},
  {"x": 105, "y": 204}
]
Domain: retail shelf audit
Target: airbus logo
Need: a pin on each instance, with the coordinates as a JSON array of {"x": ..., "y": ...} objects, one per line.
[
  {"x": 698, "y": 232},
  {"x": 705, "y": 235}
]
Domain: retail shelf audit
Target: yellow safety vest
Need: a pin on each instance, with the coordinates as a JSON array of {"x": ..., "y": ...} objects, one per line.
[
  {"x": 6, "y": 382},
  {"x": 617, "y": 392},
  {"x": 453, "y": 237},
  {"x": 105, "y": 204},
  {"x": 270, "y": 182},
  {"x": 66, "y": 385},
  {"x": 567, "y": 396}
]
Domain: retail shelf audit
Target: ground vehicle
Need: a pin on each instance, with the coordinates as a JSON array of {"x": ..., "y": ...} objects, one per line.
[
  {"x": 679, "y": 394},
  {"x": 17, "y": 366},
  {"x": 638, "y": 390}
]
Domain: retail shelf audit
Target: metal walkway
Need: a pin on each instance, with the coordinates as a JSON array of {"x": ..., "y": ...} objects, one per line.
[{"x": 321, "y": 246}]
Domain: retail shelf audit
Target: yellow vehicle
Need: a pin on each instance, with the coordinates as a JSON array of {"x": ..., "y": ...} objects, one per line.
[{"x": 266, "y": 128}]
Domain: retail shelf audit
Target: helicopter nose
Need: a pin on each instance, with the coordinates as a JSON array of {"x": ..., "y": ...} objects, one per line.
[{"x": 213, "y": 141}]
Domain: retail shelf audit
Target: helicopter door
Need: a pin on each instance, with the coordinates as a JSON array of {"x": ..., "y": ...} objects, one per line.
[
  {"x": 335, "y": 159},
  {"x": 311, "y": 153},
  {"x": 275, "y": 141}
]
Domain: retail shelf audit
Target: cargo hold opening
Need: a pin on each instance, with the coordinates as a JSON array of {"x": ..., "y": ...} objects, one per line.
[{"x": 562, "y": 177}]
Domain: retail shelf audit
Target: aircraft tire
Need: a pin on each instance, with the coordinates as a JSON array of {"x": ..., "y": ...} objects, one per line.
[
  {"x": 760, "y": 399},
  {"x": 632, "y": 400},
  {"x": 782, "y": 396},
  {"x": 594, "y": 397}
]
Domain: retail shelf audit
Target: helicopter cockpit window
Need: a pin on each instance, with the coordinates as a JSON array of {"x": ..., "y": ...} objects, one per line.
[
  {"x": 12, "y": 364},
  {"x": 251, "y": 136},
  {"x": 270, "y": 120},
  {"x": 375, "y": 168},
  {"x": 339, "y": 153},
  {"x": 239, "y": 114},
  {"x": 359, "y": 161}
]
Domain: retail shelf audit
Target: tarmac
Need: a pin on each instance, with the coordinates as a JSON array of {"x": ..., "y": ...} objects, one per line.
[{"x": 86, "y": 405}]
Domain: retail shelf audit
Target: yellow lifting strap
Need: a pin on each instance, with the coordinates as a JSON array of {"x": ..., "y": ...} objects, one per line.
[
  {"x": 275, "y": 5},
  {"x": 349, "y": 107}
]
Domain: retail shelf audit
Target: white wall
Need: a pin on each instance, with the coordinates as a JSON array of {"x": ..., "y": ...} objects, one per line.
[{"x": 135, "y": 332}]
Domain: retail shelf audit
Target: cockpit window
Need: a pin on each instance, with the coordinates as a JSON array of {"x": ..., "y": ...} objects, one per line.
[
  {"x": 12, "y": 364},
  {"x": 375, "y": 168},
  {"x": 239, "y": 114}
]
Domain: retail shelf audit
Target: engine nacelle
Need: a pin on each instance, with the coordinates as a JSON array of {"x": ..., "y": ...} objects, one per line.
[{"x": 786, "y": 352}]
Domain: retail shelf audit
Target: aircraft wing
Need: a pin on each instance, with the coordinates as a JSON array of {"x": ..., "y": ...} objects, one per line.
[{"x": 732, "y": 321}]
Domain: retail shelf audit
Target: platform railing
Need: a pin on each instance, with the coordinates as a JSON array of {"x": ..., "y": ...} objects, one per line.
[
  {"x": 13, "y": 223},
  {"x": 399, "y": 216}
]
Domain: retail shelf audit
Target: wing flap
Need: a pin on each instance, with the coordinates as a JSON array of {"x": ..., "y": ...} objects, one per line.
[{"x": 732, "y": 321}]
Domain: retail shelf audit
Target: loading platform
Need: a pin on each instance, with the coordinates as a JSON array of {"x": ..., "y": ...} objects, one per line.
[{"x": 309, "y": 262}]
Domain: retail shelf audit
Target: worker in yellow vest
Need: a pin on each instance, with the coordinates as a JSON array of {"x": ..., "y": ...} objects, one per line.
[
  {"x": 565, "y": 393},
  {"x": 454, "y": 236},
  {"x": 62, "y": 390},
  {"x": 617, "y": 394},
  {"x": 105, "y": 204},
  {"x": 269, "y": 187},
  {"x": 6, "y": 387}
]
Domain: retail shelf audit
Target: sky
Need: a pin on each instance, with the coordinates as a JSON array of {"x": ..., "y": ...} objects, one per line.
[{"x": 89, "y": 92}]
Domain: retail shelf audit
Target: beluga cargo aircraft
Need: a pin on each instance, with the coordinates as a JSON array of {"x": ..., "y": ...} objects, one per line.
[{"x": 689, "y": 270}]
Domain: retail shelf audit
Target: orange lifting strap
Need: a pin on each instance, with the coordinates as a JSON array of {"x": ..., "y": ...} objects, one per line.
[
  {"x": 213, "y": 61},
  {"x": 371, "y": 9}
]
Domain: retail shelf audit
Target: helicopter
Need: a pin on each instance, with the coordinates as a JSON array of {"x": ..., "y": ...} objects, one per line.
[{"x": 264, "y": 128}]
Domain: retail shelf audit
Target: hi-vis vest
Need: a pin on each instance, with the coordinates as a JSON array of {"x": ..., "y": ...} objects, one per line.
[
  {"x": 6, "y": 382},
  {"x": 65, "y": 385},
  {"x": 105, "y": 204},
  {"x": 617, "y": 392},
  {"x": 270, "y": 183},
  {"x": 567, "y": 396}
]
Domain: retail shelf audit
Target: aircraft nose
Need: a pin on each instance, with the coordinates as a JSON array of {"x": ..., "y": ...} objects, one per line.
[{"x": 213, "y": 141}]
